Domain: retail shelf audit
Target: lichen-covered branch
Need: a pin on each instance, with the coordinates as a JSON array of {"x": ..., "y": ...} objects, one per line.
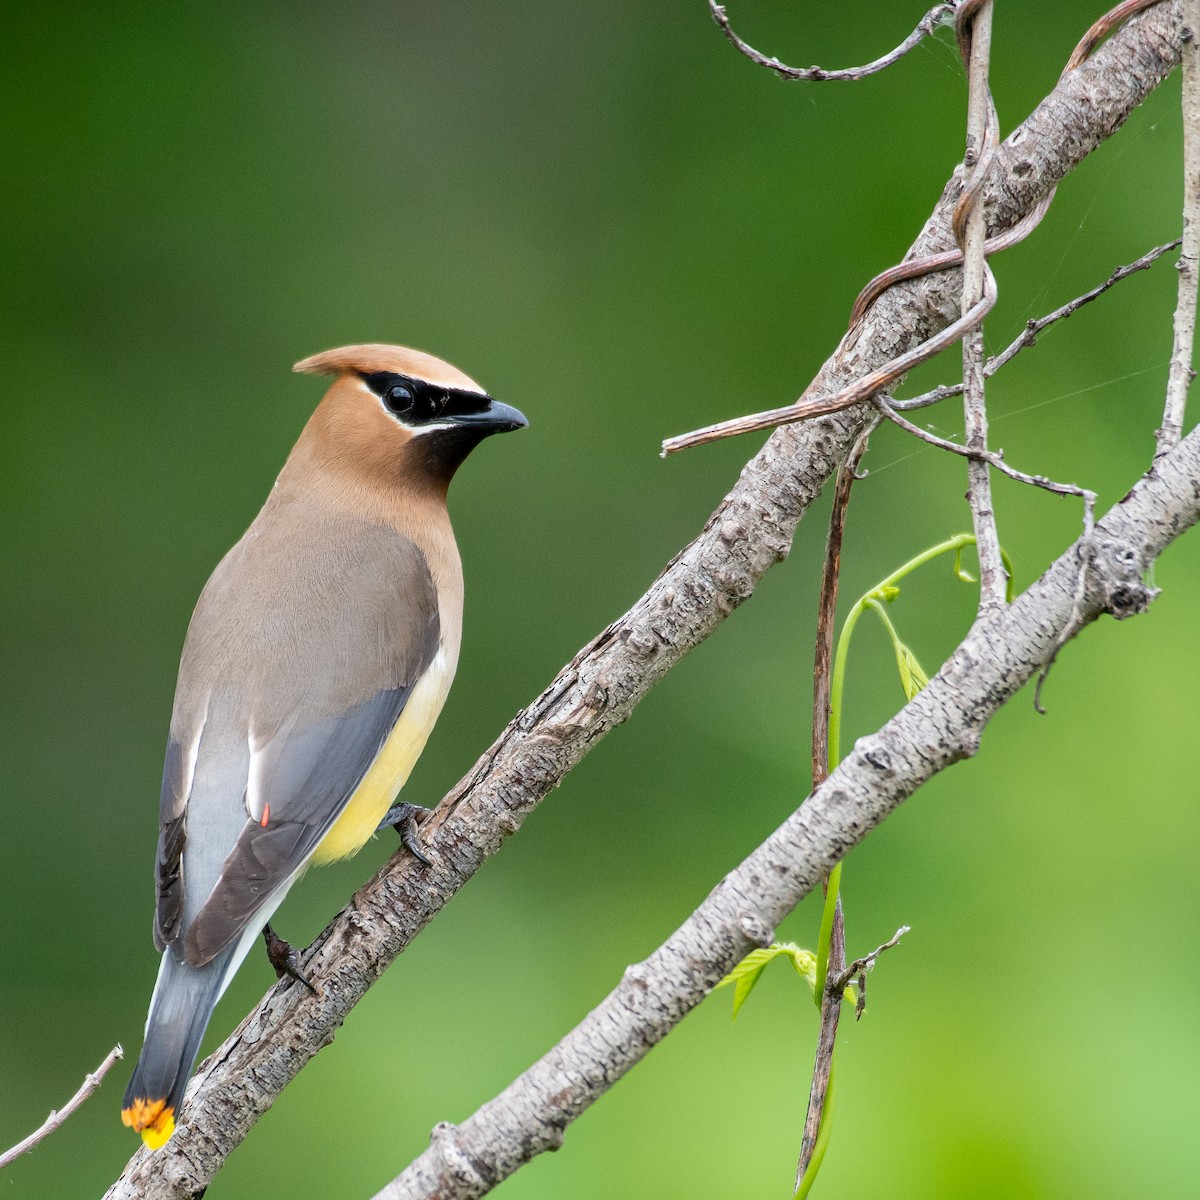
[{"x": 750, "y": 530}]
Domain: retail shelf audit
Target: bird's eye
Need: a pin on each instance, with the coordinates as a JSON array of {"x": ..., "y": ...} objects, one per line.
[{"x": 399, "y": 399}]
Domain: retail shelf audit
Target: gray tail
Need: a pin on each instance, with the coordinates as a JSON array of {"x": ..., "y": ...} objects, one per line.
[{"x": 184, "y": 998}]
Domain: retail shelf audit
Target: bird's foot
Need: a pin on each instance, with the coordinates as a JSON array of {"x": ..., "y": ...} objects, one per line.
[
  {"x": 403, "y": 818},
  {"x": 285, "y": 958}
]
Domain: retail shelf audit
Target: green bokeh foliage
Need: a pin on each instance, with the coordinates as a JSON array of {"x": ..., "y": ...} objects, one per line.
[{"x": 625, "y": 229}]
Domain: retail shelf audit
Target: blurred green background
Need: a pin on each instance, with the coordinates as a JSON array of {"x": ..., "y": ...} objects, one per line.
[{"x": 621, "y": 226}]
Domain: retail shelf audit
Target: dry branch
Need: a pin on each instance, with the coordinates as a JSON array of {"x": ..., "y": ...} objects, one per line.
[
  {"x": 814, "y": 401},
  {"x": 820, "y": 1090},
  {"x": 1181, "y": 374},
  {"x": 859, "y": 969},
  {"x": 831, "y": 573},
  {"x": 749, "y": 532},
  {"x": 942, "y": 725},
  {"x": 992, "y": 457},
  {"x": 59, "y": 1115},
  {"x": 1034, "y": 328},
  {"x": 925, "y": 26},
  {"x": 974, "y": 27},
  {"x": 830, "y": 1002}
]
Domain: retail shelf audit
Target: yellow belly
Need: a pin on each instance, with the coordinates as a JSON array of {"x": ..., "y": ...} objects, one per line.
[{"x": 388, "y": 773}]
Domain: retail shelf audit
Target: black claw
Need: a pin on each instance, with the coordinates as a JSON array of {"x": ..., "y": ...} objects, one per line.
[
  {"x": 403, "y": 818},
  {"x": 284, "y": 958}
]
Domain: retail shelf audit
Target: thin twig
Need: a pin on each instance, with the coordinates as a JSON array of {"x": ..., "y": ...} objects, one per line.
[
  {"x": 930, "y": 265},
  {"x": 827, "y": 606},
  {"x": 1034, "y": 328},
  {"x": 927, "y": 24},
  {"x": 805, "y": 409},
  {"x": 860, "y": 966},
  {"x": 831, "y": 1013},
  {"x": 1181, "y": 374},
  {"x": 974, "y": 28},
  {"x": 1075, "y": 619},
  {"x": 822, "y": 681},
  {"x": 861, "y": 389},
  {"x": 1018, "y": 232},
  {"x": 903, "y": 272},
  {"x": 858, "y": 969},
  {"x": 1107, "y": 24},
  {"x": 58, "y": 1116},
  {"x": 992, "y": 457}
]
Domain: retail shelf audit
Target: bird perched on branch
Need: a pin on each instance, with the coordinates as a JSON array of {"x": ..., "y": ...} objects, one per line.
[{"x": 316, "y": 663}]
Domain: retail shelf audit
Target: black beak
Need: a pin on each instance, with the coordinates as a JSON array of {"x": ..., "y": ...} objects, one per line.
[{"x": 496, "y": 418}]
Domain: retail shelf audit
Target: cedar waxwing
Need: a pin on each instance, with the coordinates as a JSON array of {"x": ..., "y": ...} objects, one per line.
[{"x": 315, "y": 664}]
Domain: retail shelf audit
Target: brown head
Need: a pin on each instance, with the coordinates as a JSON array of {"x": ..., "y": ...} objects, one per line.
[{"x": 398, "y": 415}]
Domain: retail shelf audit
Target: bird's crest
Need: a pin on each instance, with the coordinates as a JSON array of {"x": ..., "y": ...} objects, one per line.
[{"x": 373, "y": 356}]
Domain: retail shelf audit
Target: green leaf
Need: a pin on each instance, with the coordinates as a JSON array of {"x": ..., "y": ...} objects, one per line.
[
  {"x": 745, "y": 976},
  {"x": 805, "y": 962},
  {"x": 912, "y": 674}
]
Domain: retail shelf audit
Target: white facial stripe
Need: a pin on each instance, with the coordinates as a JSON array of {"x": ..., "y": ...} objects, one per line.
[
  {"x": 418, "y": 430},
  {"x": 386, "y": 411}
]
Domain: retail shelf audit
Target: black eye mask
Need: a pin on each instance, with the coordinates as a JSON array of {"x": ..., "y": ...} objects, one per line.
[{"x": 417, "y": 402}]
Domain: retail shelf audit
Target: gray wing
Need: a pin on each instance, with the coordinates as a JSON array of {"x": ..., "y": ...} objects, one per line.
[
  {"x": 312, "y": 773},
  {"x": 168, "y": 861},
  {"x": 300, "y": 658}
]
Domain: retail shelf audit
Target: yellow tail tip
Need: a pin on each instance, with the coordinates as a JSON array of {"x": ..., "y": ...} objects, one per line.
[{"x": 153, "y": 1119}]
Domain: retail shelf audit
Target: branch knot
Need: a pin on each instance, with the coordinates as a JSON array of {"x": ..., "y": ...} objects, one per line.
[
  {"x": 1116, "y": 569},
  {"x": 876, "y": 756},
  {"x": 756, "y": 929},
  {"x": 461, "y": 1166}
]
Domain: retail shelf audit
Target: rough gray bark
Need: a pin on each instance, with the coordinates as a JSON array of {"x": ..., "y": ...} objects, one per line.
[
  {"x": 982, "y": 136},
  {"x": 749, "y": 532},
  {"x": 941, "y": 726},
  {"x": 1189, "y": 256}
]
